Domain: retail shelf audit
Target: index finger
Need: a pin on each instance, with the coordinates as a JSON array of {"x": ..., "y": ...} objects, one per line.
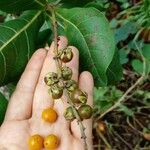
[{"x": 20, "y": 104}]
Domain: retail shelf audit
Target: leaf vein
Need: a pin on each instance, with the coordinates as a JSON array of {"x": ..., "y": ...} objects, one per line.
[
  {"x": 8, "y": 28},
  {"x": 84, "y": 41},
  {"x": 4, "y": 73},
  {"x": 22, "y": 30},
  {"x": 28, "y": 45}
]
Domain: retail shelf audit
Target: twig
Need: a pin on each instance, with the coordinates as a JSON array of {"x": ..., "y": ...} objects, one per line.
[
  {"x": 82, "y": 128},
  {"x": 129, "y": 146},
  {"x": 54, "y": 22},
  {"x": 103, "y": 138},
  {"x": 139, "y": 132},
  {"x": 123, "y": 98},
  {"x": 58, "y": 65}
]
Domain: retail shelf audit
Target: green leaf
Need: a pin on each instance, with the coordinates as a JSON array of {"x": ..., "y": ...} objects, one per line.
[
  {"x": 99, "y": 93},
  {"x": 126, "y": 110},
  {"x": 124, "y": 31},
  {"x": 75, "y": 2},
  {"x": 89, "y": 31},
  {"x": 146, "y": 51},
  {"x": 13, "y": 6},
  {"x": 17, "y": 43},
  {"x": 98, "y": 5},
  {"x": 114, "y": 71},
  {"x": 123, "y": 56},
  {"x": 137, "y": 66},
  {"x": 3, "y": 107},
  {"x": 70, "y": 3},
  {"x": 43, "y": 36}
]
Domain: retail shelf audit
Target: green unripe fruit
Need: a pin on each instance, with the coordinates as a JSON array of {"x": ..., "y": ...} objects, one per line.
[
  {"x": 85, "y": 111},
  {"x": 56, "y": 91},
  {"x": 69, "y": 114},
  {"x": 51, "y": 78},
  {"x": 66, "y": 55},
  {"x": 66, "y": 73},
  {"x": 71, "y": 85},
  {"x": 78, "y": 97}
]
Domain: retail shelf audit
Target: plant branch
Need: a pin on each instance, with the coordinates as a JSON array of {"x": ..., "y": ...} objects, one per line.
[
  {"x": 58, "y": 65},
  {"x": 82, "y": 128},
  {"x": 103, "y": 138}
]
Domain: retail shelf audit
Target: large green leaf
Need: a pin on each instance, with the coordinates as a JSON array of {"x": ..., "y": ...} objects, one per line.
[
  {"x": 76, "y": 2},
  {"x": 17, "y": 43},
  {"x": 71, "y": 3},
  {"x": 3, "y": 106},
  {"x": 21, "y": 5},
  {"x": 89, "y": 31},
  {"x": 114, "y": 71}
]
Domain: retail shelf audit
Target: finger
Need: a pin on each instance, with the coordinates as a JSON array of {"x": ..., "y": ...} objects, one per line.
[
  {"x": 85, "y": 84},
  {"x": 42, "y": 98},
  {"x": 21, "y": 102}
]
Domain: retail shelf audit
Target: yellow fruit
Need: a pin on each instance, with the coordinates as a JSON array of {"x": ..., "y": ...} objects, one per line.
[
  {"x": 36, "y": 142},
  {"x": 49, "y": 115},
  {"x": 51, "y": 142}
]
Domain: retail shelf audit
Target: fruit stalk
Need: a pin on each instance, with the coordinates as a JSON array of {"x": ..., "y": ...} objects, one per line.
[
  {"x": 54, "y": 23},
  {"x": 59, "y": 71}
]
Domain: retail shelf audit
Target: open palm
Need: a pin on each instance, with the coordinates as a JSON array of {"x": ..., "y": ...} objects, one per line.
[{"x": 23, "y": 117}]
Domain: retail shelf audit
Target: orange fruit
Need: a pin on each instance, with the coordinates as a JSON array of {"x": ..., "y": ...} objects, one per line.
[
  {"x": 49, "y": 115},
  {"x": 36, "y": 142},
  {"x": 51, "y": 142}
]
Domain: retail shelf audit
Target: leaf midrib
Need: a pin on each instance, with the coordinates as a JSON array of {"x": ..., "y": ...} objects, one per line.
[
  {"x": 84, "y": 41},
  {"x": 22, "y": 30}
]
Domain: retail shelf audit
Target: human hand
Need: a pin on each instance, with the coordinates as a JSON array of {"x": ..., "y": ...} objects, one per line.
[{"x": 23, "y": 116}]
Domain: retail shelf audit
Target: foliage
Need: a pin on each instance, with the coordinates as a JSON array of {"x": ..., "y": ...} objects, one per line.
[
  {"x": 88, "y": 30},
  {"x": 14, "y": 52},
  {"x": 105, "y": 97},
  {"x": 3, "y": 106},
  {"x": 109, "y": 36}
]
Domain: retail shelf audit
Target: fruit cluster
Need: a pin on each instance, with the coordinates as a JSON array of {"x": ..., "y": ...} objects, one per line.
[
  {"x": 58, "y": 83},
  {"x": 36, "y": 142}
]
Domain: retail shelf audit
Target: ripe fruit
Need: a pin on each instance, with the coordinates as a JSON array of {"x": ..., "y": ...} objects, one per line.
[
  {"x": 51, "y": 78},
  {"x": 36, "y": 142},
  {"x": 85, "y": 111},
  {"x": 71, "y": 85},
  {"x": 78, "y": 97},
  {"x": 69, "y": 114},
  {"x": 146, "y": 136},
  {"x": 66, "y": 73},
  {"x": 49, "y": 115},
  {"x": 66, "y": 55},
  {"x": 56, "y": 91},
  {"x": 51, "y": 142},
  {"x": 102, "y": 127}
]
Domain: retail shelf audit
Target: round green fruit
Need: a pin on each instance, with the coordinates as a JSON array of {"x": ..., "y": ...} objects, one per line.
[
  {"x": 51, "y": 78},
  {"x": 71, "y": 85},
  {"x": 69, "y": 114},
  {"x": 66, "y": 73},
  {"x": 85, "y": 111},
  {"x": 66, "y": 55},
  {"x": 56, "y": 91},
  {"x": 78, "y": 97}
]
